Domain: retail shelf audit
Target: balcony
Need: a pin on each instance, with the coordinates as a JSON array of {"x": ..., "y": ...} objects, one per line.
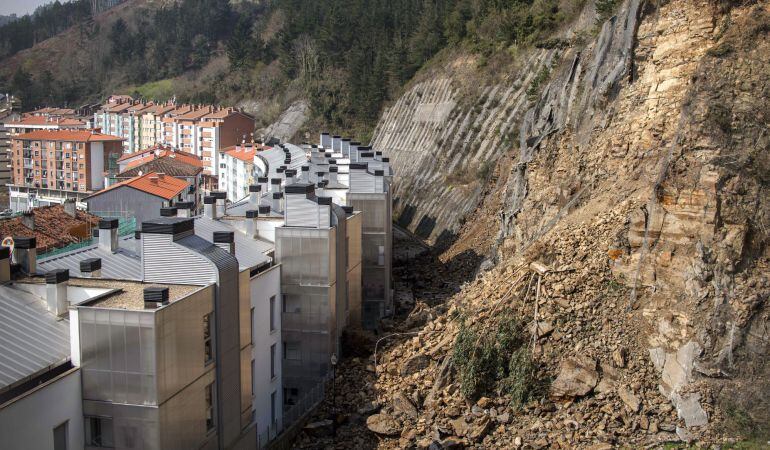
[{"x": 28, "y": 164}]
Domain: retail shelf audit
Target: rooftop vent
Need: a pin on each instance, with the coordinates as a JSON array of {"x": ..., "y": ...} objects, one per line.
[
  {"x": 155, "y": 297},
  {"x": 225, "y": 240},
  {"x": 210, "y": 207},
  {"x": 91, "y": 267},
  {"x": 168, "y": 211},
  {"x": 56, "y": 290},
  {"x": 108, "y": 234}
]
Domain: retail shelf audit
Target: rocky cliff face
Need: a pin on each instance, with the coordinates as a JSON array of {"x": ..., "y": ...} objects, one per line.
[{"x": 633, "y": 230}]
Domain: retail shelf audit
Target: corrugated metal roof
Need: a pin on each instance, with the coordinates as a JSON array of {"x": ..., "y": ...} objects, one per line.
[
  {"x": 125, "y": 264},
  {"x": 31, "y": 338},
  {"x": 248, "y": 251}
]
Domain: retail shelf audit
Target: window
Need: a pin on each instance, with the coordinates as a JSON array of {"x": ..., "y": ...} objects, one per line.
[
  {"x": 210, "y": 418},
  {"x": 251, "y": 325},
  {"x": 291, "y": 350},
  {"x": 60, "y": 436},
  {"x": 272, "y": 361},
  {"x": 99, "y": 432},
  {"x": 273, "y": 419},
  {"x": 208, "y": 351},
  {"x": 272, "y": 313},
  {"x": 253, "y": 377},
  {"x": 290, "y": 396},
  {"x": 381, "y": 256}
]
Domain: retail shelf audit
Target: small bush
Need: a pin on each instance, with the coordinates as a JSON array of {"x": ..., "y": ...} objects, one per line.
[{"x": 496, "y": 362}]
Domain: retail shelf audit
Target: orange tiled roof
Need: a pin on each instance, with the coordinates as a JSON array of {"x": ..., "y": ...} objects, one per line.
[
  {"x": 244, "y": 152},
  {"x": 164, "y": 151},
  {"x": 183, "y": 157},
  {"x": 67, "y": 135},
  {"x": 164, "y": 186},
  {"x": 118, "y": 108},
  {"x": 42, "y": 120},
  {"x": 195, "y": 114}
]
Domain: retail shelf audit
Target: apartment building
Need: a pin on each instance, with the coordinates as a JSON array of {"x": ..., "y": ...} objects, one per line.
[
  {"x": 206, "y": 132},
  {"x": 151, "y": 128},
  {"x": 9, "y": 112},
  {"x": 245, "y": 323},
  {"x": 51, "y": 166}
]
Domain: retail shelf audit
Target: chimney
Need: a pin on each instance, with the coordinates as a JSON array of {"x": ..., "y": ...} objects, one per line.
[
  {"x": 353, "y": 151},
  {"x": 336, "y": 143},
  {"x": 333, "y": 174},
  {"x": 155, "y": 297},
  {"x": 275, "y": 185},
  {"x": 345, "y": 149},
  {"x": 210, "y": 207},
  {"x": 184, "y": 209},
  {"x": 56, "y": 282},
  {"x": 5, "y": 264},
  {"x": 154, "y": 180},
  {"x": 305, "y": 174},
  {"x": 379, "y": 185},
  {"x": 69, "y": 207},
  {"x": 91, "y": 267},
  {"x": 290, "y": 175},
  {"x": 225, "y": 240},
  {"x": 263, "y": 182},
  {"x": 25, "y": 253},
  {"x": 28, "y": 219},
  {"x": 264, "y": 210},
  {"x": 251, "y": 223},
  {"x": 220, "y": 197},
  {"x": 108, "y": 234},
  {"x": 276, "y": 205},
  {"x": 254, "y": 191},
  {"x": 168, "y": 211},
  {"x": 326, "y": 140},
  {"x": 161, "y": 176},
  {"x": 138, "y": 242}
]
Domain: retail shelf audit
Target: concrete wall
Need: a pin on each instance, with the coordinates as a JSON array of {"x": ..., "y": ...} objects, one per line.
[{"x": 28, "y": 421}]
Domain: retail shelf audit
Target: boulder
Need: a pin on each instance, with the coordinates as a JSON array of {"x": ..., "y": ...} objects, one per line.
[
  {"x": 628, "y": 397},
  {"x": 402, "y": 404},
  {"x": 383, "y": 424},
  {"x": 414, "y": 364},
  {"x": 479, "y": 429},
  {"x": 577, "y": 377}
]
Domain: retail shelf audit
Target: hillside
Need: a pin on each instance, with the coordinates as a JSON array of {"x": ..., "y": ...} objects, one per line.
[
  {"x": 628, "y": 221},
  {"x": 593, "y": 174}
]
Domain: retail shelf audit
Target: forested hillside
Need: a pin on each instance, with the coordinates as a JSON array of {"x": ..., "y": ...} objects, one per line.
[{"x": 344, "y": 57}]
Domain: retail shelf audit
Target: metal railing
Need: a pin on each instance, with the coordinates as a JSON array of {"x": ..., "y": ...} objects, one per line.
[{"x": 295, "y": 415}]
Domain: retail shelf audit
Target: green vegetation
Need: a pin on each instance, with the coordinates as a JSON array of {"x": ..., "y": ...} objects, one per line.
[
  {"x": 605, "y": 9},
  {"x": 345, "y": 57},
  {"x": 47, "y": 21},
  {"x": 159, "y": 90},
  {"x": 496, "y": 360}
]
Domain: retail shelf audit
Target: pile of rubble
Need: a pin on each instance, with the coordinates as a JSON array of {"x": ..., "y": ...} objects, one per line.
[{"x": 603, "y": 388}]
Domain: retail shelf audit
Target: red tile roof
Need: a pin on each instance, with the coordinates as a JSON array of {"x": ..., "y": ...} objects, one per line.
[
  {"x": 53, "y": 227},
  {"x": 163, "y": 151},
  {"x": 244, "y": 152},
  {"x": 160, "y": 185},
  {"x": 67, "y": 135},
  {"x": 42, "y": 120}
]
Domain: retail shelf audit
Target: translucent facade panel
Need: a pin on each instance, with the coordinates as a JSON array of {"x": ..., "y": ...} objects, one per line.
[
  {"x": 306, "y": 256},
  {"x": 118, "y": 355}
]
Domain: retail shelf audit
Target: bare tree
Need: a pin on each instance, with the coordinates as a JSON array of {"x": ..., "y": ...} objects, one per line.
[{"x": 305, "y": 52}]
